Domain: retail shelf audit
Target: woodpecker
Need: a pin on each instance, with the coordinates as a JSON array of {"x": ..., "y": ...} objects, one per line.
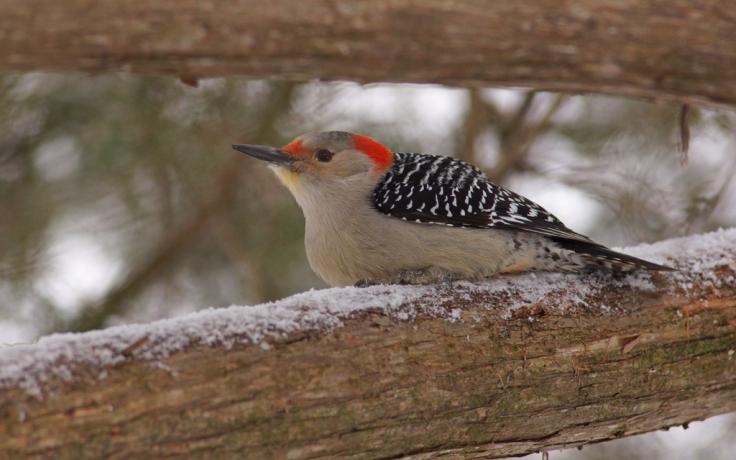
[{"x": 374, "y": 216}]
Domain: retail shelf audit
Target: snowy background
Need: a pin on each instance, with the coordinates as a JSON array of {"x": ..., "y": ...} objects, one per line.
[{"x": 103, "y": 182}]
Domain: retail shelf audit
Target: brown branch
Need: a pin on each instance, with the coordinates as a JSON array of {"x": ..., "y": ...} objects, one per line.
[
  {"x": 517, "y": 138},
  {"x": 653, "y": 49},
  {"x": 477, "y": 118},
  {"x": 467, "y": 370},
  {"x": 513, "y": 140},
  {"x": 518, "y": 119}
]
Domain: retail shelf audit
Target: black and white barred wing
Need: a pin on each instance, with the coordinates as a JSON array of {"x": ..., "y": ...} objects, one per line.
[{"x": 441, "y": 190}]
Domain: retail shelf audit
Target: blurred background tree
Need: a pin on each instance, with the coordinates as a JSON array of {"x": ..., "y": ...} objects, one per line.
[{"x": 121, "y": 199}]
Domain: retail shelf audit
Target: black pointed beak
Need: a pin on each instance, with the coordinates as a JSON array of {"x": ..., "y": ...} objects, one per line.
[{"x": 266, "y": 153}]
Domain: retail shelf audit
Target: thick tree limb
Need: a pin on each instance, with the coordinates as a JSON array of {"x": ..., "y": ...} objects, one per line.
[
  {"x": 503, "y": 368},
  {"x": 664, "y": 49}
]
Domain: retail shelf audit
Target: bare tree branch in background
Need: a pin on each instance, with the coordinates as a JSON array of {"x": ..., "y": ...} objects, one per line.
[
  {"x": 475, "y": 122},
  {"x": 515, "y": 132},
  {"x": 240, "y": 260},
  {"x": 114, "y": 302},
  {"x": 515, "y": 142},
  {"x": 223, "y": 185}
]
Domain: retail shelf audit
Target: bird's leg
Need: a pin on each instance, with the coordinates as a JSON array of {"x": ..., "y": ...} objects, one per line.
[
  {"x": 430, "y": 275},
  {"x": 361, "y": 283}
]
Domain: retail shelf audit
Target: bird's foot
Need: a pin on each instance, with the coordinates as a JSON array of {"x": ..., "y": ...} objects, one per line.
[
  {"x": 432, "y": 275},
  {"x": 364, "y": 283}
]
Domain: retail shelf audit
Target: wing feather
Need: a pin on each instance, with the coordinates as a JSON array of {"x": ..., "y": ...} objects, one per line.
[{"x": 441, "y": 190}]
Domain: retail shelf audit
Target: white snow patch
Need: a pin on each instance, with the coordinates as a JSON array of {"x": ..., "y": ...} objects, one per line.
[
  {"x": 697, "y": 258},
  {"x": 29, "y": 366}
]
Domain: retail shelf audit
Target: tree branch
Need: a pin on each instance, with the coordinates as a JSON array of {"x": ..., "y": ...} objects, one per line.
[
  {"x": 508, "y": 367},
  {"x": 654, "y": 49}
]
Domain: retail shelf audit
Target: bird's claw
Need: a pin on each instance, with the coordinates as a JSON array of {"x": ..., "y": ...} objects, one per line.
[{"x": 364, "y": 283}]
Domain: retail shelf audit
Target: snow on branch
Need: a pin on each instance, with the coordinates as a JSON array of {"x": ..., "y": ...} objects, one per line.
[
  {"x": 657, "y": 49},
  {"x": 505, "y": 367}
]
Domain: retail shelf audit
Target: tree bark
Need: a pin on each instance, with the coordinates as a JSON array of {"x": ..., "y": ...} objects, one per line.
[
  {"x": 593, "y": 359},
  {"x": 663, "y": 49}
]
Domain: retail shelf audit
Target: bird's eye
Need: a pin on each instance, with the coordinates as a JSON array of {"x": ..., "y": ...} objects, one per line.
[{"x": 323, "y": 155}]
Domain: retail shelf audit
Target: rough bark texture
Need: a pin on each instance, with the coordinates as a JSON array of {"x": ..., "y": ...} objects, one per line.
[
  {"x": 665, "y": 49},
  {"x": 583, "y": 365}
]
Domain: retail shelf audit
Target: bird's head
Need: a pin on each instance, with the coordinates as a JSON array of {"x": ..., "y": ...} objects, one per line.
[{"x": 324, "y": 159}]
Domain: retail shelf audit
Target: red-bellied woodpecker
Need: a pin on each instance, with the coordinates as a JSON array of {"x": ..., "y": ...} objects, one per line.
[{"x": 374, "y": 216}]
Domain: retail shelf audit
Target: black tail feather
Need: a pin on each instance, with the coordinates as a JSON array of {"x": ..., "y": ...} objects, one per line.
[{"x": 601, "y": 256}]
